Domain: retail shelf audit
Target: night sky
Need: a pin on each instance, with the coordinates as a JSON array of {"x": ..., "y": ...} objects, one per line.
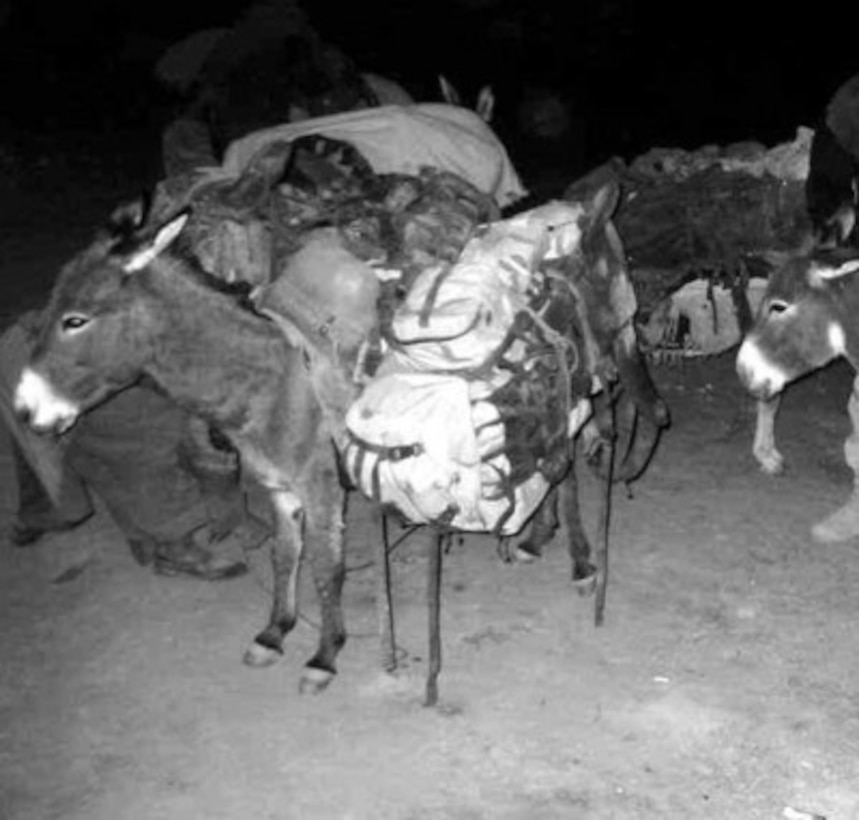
[{"x": 633, "y": 75}]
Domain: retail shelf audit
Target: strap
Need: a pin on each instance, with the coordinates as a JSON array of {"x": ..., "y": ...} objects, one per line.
[{"x": 397, "y": 452}]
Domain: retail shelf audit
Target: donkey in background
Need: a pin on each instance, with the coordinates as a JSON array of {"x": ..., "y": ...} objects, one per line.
[{"x": 806, "y": 320}]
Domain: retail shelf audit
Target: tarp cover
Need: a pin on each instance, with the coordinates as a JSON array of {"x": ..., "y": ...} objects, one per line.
[{"x": 404, "y": 139}]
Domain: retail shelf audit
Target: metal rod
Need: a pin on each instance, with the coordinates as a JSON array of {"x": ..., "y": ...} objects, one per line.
[
  {"x": 436, "y": 549},
  {"x": 384, "y": 608}
]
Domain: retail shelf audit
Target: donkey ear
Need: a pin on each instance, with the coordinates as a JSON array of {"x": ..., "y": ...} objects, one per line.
[
  {"x": 827, "y": 273},
  {"x": 848, "y": 267},
  {"x": 843, "y": 222},
  {"x": 601, "y": 202},
  {"x": 127, "y": 218},
  {"x": 448, "y": 92},
  {"x": 165, "y": 237},
  {"x": 485, "y": 103}
]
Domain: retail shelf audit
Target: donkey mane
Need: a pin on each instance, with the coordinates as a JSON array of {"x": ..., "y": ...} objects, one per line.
[
  {"x": 127, "y": 231},
  {"x": 125, "y": 235},
  {"x": 240, "y": 291}
]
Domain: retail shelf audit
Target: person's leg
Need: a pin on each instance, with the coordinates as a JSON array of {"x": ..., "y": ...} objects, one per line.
[
  {"x": 844, "y": 522},
  {"x": 37, "y": 513},
  {"x": 207, "y": 455},
  {"x": 129, "y": 450},
  {"x": 126, "y": 451}
]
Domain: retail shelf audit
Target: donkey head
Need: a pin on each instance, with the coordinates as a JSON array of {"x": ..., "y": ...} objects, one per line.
[
  {"x": 607, "y": 304},
  {"x": 803, "y": 321},
  {"x": 602, "y": 277},
  {"x": 484, "y": 105},
  {"x": 93, "y": 334}
]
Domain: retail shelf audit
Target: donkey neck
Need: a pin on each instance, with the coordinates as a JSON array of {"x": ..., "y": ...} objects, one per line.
[{"x": 212, "y": 355}]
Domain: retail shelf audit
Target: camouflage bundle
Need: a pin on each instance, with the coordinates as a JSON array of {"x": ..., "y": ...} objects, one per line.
[{"x": 248, "y": 227}]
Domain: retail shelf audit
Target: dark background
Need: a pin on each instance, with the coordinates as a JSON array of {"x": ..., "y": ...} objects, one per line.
[{"x": 632, "y": 75}]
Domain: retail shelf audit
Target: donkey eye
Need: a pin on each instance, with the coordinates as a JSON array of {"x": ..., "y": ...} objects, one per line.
[
  {"x": 777, "y": 306},
  {"x": 73, "y": 321}
]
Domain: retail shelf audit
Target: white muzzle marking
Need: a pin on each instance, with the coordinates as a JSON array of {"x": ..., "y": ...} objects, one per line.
[
  {"x": 757, "y": 372},
  {"x": 837, "y": 339},
  {"x": 47, "y": 409}
]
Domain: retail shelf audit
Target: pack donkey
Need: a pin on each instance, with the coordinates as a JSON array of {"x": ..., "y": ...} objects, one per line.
[
  {"x": 132, "y": 304},
  {"x": 592, "y": 309},
  {"x": 137, "y": 303}
]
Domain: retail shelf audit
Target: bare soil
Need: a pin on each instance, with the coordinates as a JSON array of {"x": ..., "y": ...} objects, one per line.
[{"x": 722, "y": 685}]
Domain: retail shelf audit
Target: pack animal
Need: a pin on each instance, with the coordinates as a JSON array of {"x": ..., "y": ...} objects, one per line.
[
  {"x": 131, "y": 304},
  {"x": 806, "y": 320},
  {"x": 764, "y": 448},
  {"x": 134, "y": 303},
  {"x": 484, "y": 104},
  {"x": 832, "y": 198},
  {"x": 593, "y": 312}
]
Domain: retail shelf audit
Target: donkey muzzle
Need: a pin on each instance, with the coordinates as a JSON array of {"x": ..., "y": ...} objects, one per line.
[
  {"x": 759, "y": 375},
  {"x": 38, "y": 405}
]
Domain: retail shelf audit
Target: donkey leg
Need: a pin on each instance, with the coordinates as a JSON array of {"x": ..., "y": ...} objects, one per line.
[
  {"x": 542, "y": 529},
  {"x": 579, "y": 546},
  {"x": 764, "y": 449},
  {"x": 325, "y": 524},
  {"x": 286, "y": 549}
]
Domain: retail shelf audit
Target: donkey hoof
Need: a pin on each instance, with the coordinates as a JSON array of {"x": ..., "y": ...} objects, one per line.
[
  {"x": 772, "y": 467},
  {"x": 259, "y": 656},
  {"x": 314, "y": 680},
  {"x": 771, "y": 462},
  {"x": 526, "y": 554},
  {"x": 584, "y": 579}
]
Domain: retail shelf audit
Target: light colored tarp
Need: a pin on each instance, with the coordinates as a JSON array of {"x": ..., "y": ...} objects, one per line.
[{"x": 403, "y": 139}]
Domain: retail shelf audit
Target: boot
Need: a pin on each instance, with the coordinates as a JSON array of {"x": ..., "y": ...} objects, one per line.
[
  {"x": 37, "y": 514},
  {"x": 25, "y": 533},
  {"x": 841, "y": 525}
]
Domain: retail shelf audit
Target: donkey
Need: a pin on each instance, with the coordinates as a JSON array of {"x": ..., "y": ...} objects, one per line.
[
  {"x": 806, "y": 319},
  {"x": 598, "y": 319},
  {"x": 484, "y": 105},
  {"x": 133, "y": 304}
]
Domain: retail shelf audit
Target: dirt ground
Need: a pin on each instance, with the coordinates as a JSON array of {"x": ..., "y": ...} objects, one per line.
[{"x": 722, "y": 685}]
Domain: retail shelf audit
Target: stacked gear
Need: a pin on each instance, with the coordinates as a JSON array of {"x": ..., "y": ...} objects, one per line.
[
  {"x": 467, "y": 420},
  {"x": 248, "y": 227},
  {"x": 414, "y": 318},
  {"x": 325, "y": 243}
]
